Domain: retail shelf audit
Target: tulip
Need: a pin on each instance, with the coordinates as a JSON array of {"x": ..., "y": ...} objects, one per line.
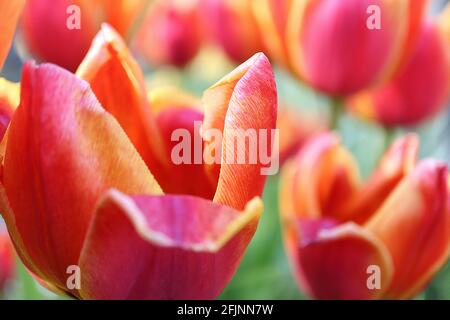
[
  {"x": 419, "y": 91},
  {"x": 7, "y": 264},
  {"x": 51, "y": 34},
  {"x": 80, "y": 183},
  {"x": 385, "y": 238},
  {"x": 9, "y": 14},
  {"x": 337, "y": 47},
  {"x": 170, "y": 33},
  {"x": 233, "y": 26}
]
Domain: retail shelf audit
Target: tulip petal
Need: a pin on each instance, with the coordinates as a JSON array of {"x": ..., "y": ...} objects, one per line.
[
  {"x": 244, "y": 100},
  {"x": 333, "y": 262},
  {"x": 63, "y": 152},
  {"x": 320, "y": 181},
  {"x": 414, "y": 224},
  {"x": 396, "y": 164},
  {"x": 173, "y": 247},
  {"x": 9, "y": 100},
  {"x": 272, "y": 16},
  {"x": 9, "y": 14},
  {"x": 118, "y": 83}
]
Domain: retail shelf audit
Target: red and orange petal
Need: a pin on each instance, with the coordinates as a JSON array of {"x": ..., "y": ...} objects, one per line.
[
  {"x": 9, "y": 100},
  {"x": 7, "y": 262},
  {"x": 171, "y": 33},
  {"x": 332, "y": 48},
  {"x": 174, "y": 247},
  {"x": 246, "y": 99},
  {"x": 334, "y": 261},
  {"x": 124, "y": 15},
  {"x": 272, "y": 17},
  {"x": 233, "y": 26},
  {"x": 419, "y": 91},
  {"x": 414, "y": 225},
  {"x": 398, "y": 162},
  {"x": 118, "y": 83},
  {"x": 9, "y": 14},
  {"x": 66, "y": 47},
  {"x": 325, "y": 175},
  {"x": 63, "y": 152}
]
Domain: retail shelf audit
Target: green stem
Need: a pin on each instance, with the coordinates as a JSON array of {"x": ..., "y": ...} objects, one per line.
[
  {"x": 389, "y": 135},
  {"x": 335, "y": 112}
]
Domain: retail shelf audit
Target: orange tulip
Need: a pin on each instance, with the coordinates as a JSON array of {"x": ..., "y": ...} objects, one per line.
[
  {"x": 171, "y": 33},
  {"x": 341, "y": 47},
  {"x": 233, "y": 26},
  {"x": 87, "y": 179},
  {"x": 51, "y": 33},
  {"x": 385, "y": 238},
  {"x": 9, "y": 14},
  {"x": 7, "y": 263},
  {"x": 419, "y": 91}
]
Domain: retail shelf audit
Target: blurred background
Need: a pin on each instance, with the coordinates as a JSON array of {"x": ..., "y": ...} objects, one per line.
[{"x": 157, "y": 40}]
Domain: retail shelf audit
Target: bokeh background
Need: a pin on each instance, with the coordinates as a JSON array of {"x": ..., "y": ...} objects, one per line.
[{"x": 264, "y": 272}]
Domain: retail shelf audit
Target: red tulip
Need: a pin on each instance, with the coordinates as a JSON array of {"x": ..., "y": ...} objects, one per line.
[
  {"x": 7, "y": 262},
  {"x": 233, "y": 26},
  {"x": 337, "y": 47},
  {"x": 171, "y": 33},
  {"x": 419, "y": 91},
  {"x": 51, "y": 33},
  {"x": 80, "y": 185},
  {"x": 9, "y": 14},
  {"x": 385, "y": 238}
]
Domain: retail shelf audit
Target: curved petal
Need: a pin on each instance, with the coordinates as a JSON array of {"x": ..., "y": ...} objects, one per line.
[
  {"x": 419, "y": 91},
  {"x": 173, "y": 247},
  {"x": 329, "y": 42},
  {"x": 414, "y": 224},
  {"x": 9, "y": 14},
  {"x": 9, "y": 100},
  {"x": 118, "y": 83},
  {"x": 334, "y": 262},
  {"x": 320, "y": 181},
  {"x": 396, "y": 164},
  {"x": 63, "y": 151},
  {"x": 243, "y": 102}
]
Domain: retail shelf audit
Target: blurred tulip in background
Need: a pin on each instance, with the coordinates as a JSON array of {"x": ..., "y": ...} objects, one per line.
[
  {"x": 232, "y": 25},
  {"x": 332, "y": 47},
  {"x": 419, "y": 91},
  {"x": 48, "y": 38},
  {"x": 337, "y": 228},
  {"x": 171, "y": 33}
]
